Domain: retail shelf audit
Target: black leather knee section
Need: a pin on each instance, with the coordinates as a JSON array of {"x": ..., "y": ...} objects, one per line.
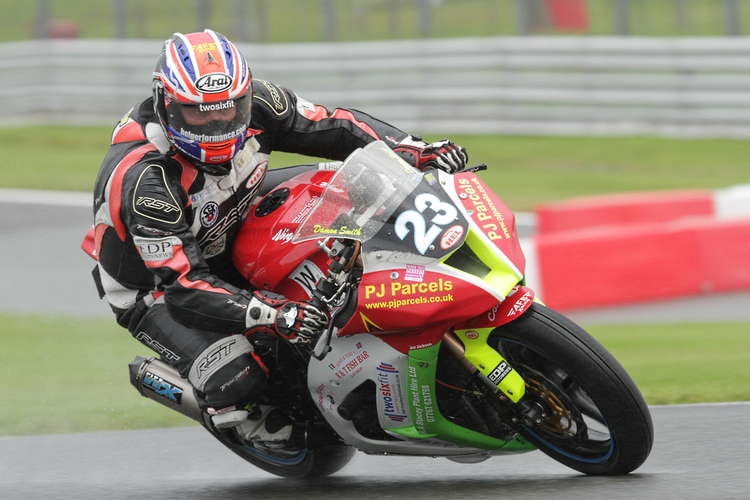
[{"x": 238, "y": 382}]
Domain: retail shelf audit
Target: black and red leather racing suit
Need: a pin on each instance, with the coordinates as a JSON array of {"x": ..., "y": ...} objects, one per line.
[{"x": 164, "y": 232}]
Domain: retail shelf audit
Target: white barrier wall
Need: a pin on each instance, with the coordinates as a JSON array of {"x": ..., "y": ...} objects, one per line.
[{"x": 518, "y": 85}]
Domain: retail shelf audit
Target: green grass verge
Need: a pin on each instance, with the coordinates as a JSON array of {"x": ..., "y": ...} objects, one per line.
[
  {"x": 67, "y": 374},
  {"x": 301, "y": 20},
  {"x": 524, "y": 170},
  {"x": 683, "y": 363}
]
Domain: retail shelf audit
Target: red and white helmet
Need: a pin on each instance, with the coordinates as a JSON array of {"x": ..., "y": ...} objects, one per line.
[{"x": 203, "y": 97}]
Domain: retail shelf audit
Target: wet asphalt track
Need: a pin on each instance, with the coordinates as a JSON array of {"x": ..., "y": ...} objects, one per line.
[{"x": 701, "y": 452}]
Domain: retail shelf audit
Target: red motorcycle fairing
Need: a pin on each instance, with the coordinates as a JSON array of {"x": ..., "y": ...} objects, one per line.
[
  {"x": 263, "y": 252},
  {"x": 515, "y": 304},
  {"x": 394, "y": 301},
  {"x": 494, "y": 218}
]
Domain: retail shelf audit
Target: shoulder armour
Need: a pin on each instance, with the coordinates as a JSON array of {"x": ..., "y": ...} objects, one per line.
[
  {"x": 153, "y": 198},
  {"x": 271, "y": 96}
]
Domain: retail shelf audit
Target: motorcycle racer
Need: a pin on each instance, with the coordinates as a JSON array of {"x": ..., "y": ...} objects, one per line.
[{"x": 177, "y": 181}]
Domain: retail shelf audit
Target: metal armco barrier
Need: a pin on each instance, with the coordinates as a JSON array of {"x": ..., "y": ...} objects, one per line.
[{"x": 514, "y": 85}]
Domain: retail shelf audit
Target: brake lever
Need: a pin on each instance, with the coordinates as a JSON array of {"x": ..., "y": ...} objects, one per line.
[{"x": 475, "y": 168}]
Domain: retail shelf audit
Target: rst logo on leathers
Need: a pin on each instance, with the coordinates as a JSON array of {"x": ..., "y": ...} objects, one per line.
[
  {"x": 214, "y": 357},
  {"x": 213, "y": 83}
]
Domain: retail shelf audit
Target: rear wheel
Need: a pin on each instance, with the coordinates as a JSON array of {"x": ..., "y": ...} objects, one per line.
[
  {"x": 323, "y": 460},
  {"x": 582, "y": 408}
]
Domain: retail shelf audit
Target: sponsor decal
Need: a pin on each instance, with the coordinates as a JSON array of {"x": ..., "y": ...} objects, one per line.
[
  {"x": 324, "y": 402},
  {"x": 156, "y": 249},
  {"x": 147, "y": 201},
  {"x": 493, "y": 312},
  {"x": 165, "y": 353},
  {"x": 209, "y": 214},
  {"x": 239, "y": 376},
  {"x": 283, "y": 235},
  {"x": 472, "y": 335},
  {"x": 235, "y": 304},
  {"x": 205, "y": 47},
  {"x": 217, "y": 158},
  {"x": 305, "y": 210},
  {"x": 163, "y": 209},
  {"x": 218, "y": 106},
  {"x": 499, "y": 373},
  {"x": 199, "y": 197},
  {"x": 307, "y": 276},
  {"x": 305, "y": 107},
  {"x": 414, "y": 273},
  {"x": 520, "y": 304},
  {"x": 123, "y": 121},
  {"x": 215, "y": 247},
  {"x": 341, "y": 231},
  {"x": 407, "y": 294},
  {"x": 213, "y": 83},
  {"x": 152, "y": 230},
  {"x": 350, "y": 363},
  {"x": 289, "y": 316},
  {"x": 490, "y": 219},
  {"x": 212, "y": 138},
  {"x": 389, "y": 388},
  {"x": 396, "y": 289},
  {"x": 257, "y": 175},
  {"x": 278, "y": 103},
  {"x": 451, "y": 236},
  {"x": 214, "y": 356},
  {"x": 226, "y": 222},
  {"x": 161, "y": 387},
  {"x": 421, "y": 400}
]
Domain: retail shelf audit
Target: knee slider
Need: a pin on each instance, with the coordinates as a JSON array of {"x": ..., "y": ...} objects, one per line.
[{"x": 227, "y": 373}]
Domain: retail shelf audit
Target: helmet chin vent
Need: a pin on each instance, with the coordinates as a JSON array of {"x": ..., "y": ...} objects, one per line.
[{"x": 218, "y": 146}]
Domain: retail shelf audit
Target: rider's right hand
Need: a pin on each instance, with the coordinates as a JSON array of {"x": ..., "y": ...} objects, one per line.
[{"x": 285, "y": 317}]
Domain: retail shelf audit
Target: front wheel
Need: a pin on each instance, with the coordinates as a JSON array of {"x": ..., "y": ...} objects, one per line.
[{"x": 586, "y": 412}]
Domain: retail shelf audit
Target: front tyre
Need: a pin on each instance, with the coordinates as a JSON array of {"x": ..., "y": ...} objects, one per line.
[{"x": 588, "y": 413}]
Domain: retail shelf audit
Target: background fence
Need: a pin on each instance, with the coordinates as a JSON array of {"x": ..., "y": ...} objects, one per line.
[
  {"x": 534, "y": 85},
  {"x": 329, "y": 20}
]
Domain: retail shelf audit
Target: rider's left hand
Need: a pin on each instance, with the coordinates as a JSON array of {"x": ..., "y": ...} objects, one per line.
[{"x": 443, "y": 155}]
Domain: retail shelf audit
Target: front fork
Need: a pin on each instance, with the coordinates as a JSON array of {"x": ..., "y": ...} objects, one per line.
[{"x": 471, "y": 347}]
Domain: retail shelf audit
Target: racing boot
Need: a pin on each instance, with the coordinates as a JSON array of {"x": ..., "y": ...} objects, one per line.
[{"x": 263, "y": 425}]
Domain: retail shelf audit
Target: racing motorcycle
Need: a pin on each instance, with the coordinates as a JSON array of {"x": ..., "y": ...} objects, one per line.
[{"x": 435, "y": 346}]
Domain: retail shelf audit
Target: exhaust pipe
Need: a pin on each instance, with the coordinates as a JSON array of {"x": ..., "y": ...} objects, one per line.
[{"x": 157, "y": 380}]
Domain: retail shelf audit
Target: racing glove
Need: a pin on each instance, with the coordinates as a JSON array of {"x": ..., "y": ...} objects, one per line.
[
  {"x": 443, "y": 155},
  {"x": 285, "y": 317}
]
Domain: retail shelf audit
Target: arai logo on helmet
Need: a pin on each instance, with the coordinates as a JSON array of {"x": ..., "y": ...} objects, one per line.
[{"x": 213, "y": 83}]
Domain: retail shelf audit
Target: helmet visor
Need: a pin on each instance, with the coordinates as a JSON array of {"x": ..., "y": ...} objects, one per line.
[{"x": 213, "y": 122}]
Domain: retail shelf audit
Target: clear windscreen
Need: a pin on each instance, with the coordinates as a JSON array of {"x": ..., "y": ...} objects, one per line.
[{"x": 362, "y": 195}]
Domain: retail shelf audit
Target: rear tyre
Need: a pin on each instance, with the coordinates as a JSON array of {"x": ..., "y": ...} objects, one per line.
[
  {"x": 307, "y": 463},
  {"x": 594, "y": 417}
]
